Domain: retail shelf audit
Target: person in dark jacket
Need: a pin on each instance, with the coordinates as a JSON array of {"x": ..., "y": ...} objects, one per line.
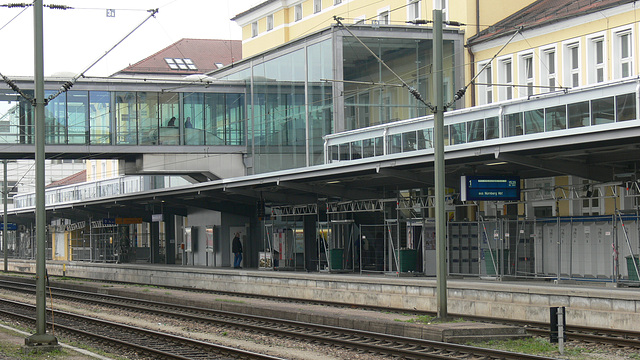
[{"x": 236, "y": 248}]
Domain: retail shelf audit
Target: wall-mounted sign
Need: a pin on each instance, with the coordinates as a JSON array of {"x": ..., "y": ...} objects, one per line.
[{"x": 490, "y": 188}]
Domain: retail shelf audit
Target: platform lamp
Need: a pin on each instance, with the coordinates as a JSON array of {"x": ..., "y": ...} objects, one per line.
[{"x": 40, "y": 340}]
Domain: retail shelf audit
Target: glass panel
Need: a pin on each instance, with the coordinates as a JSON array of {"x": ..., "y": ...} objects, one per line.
[
  {"x": 513, "y": 124},
  {"x": 356, "y": 150},
  {"x": 279, "y": 124},
  {"x": 216, "y": 115},
  {"x": 599, "y": 52},
  {"x": 236, "y": 120},
  {"x": 556, "y": 118},
  {"x": 534, "y": 121},
  {"x": 169, "y": 105},
  {"x": 395, "y": 143},
  {"x": 368, "y": 148},
  {"x": 624, "y": 45},
  {"x": 574, "y": 57},
  {"x": 475, "y": 130},
  {"x": 578, "y": 114},
  {"x": 366, "y": 105},
  {"x": 551, "y": 62},
  {"x": 194, "y": 133},
  {"x": 409, "y": 141},
  {"x": 458, "y": 133},
  {"x": 602, "y": 111},
  {"x": 99, "y": 120},
  {"x": 445, "y": 135},
  {"x": 126, "y": 118},
  {"x": 379, "y": 146},
  {"x": 425, "y": 139},
  {"x": 55, "y": 119},
  {"x": 626, "y": 107},
  {"x": 148, "y": 117},
  {"x": 344, "y": 151},
  {"x": 333, "y": 153},
  {"x": 320, "y": 97},
  {"x": 77, "y": 107},
  {"x": 492, "y": 126}
]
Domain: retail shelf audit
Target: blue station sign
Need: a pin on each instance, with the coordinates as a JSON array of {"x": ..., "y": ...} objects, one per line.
[{"x": 490, "y": 188}]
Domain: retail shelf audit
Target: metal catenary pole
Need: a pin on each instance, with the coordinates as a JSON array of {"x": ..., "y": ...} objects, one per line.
[
  {"x": 441, "y": 264},
  {"x": 40, "y": 337}
]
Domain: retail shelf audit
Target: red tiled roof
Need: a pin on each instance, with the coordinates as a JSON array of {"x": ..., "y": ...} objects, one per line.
[
  {"x": 70, "y": 180},
  {"x": 543, "y": 12},
  {"x": 204, "y": 53}
]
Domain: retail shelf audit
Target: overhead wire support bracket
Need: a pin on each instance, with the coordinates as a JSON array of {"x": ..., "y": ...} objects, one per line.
[
  {"x": 67, "y": 85},
  {"x": 412, "y": 90}
]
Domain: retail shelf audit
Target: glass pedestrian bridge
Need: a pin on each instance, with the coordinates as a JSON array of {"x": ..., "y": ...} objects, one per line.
[
  {"x": 141, "y": 112},
  {"x": 591, "y": 109}
]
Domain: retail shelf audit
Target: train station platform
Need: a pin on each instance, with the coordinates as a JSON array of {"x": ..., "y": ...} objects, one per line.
[{"x": 593, "y": 304}]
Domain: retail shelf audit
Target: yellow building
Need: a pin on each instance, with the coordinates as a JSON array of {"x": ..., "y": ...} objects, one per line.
[
  {"x": 276, "y": 22},
  {"x": 553, "y": 46}
]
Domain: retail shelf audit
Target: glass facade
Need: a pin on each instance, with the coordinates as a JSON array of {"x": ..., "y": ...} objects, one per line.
[
  {"x": 129, "y": 118},
  {"x": 366, "y": 104},
  {"x": 329, "y": 82},
  {"x": 594, "y": 112}
]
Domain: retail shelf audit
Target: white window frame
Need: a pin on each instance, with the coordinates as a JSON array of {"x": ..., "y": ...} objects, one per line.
[
  {"x": 254, "y": 29},
  {"x": 547, "y": 77},
  {"x": 505, "y": 77},
  {"x": 485, "y": 92},
  {"x": 414, "y": 10},
  {"x": 384, "y": 16},
  {"x": 526, "y": 77},
  {"x": 270, "y": 22},
  {"x": 572, "y": 70},
  {"x": 317, "y": 6},
  {"x": 297, "y": 12},
  {"x": 618, "y": 60},
  {"x": 593, "y": 66}
]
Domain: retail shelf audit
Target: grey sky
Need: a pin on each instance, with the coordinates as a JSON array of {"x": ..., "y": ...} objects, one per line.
[{"x": 75, "y": 38}]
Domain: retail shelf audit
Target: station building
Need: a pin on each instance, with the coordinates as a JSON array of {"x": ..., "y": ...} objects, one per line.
[{"x": 337, "y": 163}]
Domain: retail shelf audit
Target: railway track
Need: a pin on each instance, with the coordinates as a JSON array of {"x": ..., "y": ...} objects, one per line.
[
  {"x": 363, "y": 341},
  {"x": 145, "y": 342}
]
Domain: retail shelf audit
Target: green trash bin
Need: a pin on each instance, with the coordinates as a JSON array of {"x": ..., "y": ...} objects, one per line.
[
  {"x": 336, "y": 259},
  {"x": 407, "y": 259},
  {"x": 488, "y": 261},
  {"x": 631, "y": 270}
]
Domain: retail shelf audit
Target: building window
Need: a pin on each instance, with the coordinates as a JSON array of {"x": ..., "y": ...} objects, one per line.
[
  {"x": 180, "y": 64},
  {"x": 505, "y": 77},
  {"x": 297, "y": 12},
  {"x": 623, "y": 54},
  {"x": 337, "y": 2},
  {"x": 413, "y": 10},
  {"x": 485, "y": 91},
  {"x": 254, "y": 29},
  {"x": 572, "y": 65},
  {"x": 548, "y": 69},
  {"x": 317, "y": 6},
  {"x": 595, "y": 60},
  {"x": 526, "y": 73},
  {"x": 270, "y": 22},
  {"x": 383, "y": 17}
]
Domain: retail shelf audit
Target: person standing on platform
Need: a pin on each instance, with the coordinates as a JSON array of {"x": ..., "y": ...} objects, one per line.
[
  {"x": 172, "y": 122},
  {"x": 236, "y": 248}
]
